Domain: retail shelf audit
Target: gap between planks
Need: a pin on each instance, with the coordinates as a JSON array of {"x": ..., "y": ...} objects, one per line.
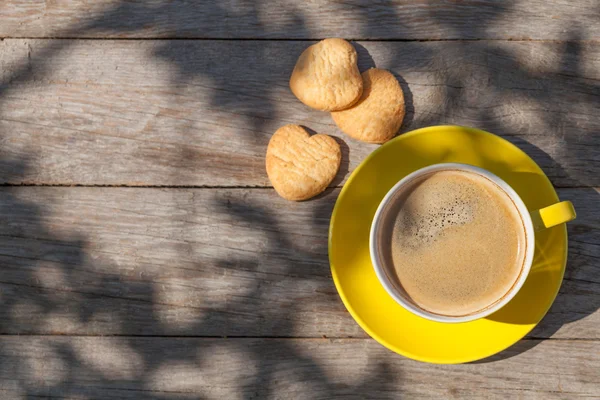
[
  {"x": 212, "y": 187},
  {"x": 134, "y": 186},
  {"x": 306, "y": 39},
  {"x": 254, "y": 337}
]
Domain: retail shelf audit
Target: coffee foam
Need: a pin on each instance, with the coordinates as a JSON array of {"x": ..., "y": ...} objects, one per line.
[
  {"x": 423, "y": 225},
  {"x": 457, "y": 242}
]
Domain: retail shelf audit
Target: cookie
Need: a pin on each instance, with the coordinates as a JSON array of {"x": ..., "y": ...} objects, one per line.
[
  {"x": 301, "y": 166},
  {"x": 326, "y": 76},
  {"x": 378, "y": 115}
]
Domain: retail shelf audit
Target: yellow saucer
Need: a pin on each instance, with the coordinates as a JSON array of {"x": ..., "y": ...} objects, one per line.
[{"x": 384, "y": 319}]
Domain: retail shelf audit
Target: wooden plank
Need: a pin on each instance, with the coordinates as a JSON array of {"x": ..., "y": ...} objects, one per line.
[
  {"x": 176, "y": 368},
  {"x": 360, "y": 19},
  {"x": 209, "y": 262},
  {"x": 201, "y": 112}
]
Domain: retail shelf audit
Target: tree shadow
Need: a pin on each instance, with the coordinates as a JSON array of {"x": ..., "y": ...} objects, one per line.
[
  {"x": 58, "y": 281},
  {"x": 504, "y": 76}
]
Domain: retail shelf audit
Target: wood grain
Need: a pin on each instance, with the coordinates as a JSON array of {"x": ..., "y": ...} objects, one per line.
[
  {"x": 224, "y": 290},
  {"x": 360, "y": 19},
  {"x": 176, "y": 368},
  {"x": 201, "y": 112},
  {"x": 209, "y": 262}
]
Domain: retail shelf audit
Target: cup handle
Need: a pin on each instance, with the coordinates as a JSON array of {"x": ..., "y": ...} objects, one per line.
[{"x": 553, "y": 215}]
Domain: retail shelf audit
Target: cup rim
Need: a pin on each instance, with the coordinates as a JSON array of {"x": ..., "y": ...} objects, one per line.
[{"x": 498, "y": 304}]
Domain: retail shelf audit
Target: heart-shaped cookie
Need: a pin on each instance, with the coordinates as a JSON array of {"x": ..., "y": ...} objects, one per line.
[
  {"x": 301, "y": 166},
  {"x": 378, "y": 115},
  {"x": 326, "y": 76}
]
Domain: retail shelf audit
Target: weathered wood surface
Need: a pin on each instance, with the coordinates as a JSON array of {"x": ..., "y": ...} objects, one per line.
[
  {"x": 202, "y": 112},
  {"x": 172, "y": 272},
  {"x": 186, "y": 368},
  {"x": 360, "y": 19},
  {"x": 209, "y": 262}
]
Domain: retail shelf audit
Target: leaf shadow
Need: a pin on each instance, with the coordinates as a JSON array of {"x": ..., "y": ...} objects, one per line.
[{"x": 59, "y": 281}]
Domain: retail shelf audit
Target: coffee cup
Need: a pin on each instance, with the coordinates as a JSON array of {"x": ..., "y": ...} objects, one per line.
[{"x": 417, "y": 232}]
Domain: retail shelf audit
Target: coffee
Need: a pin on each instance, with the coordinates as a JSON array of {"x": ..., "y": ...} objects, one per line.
[{"x": 455, "y": 243}]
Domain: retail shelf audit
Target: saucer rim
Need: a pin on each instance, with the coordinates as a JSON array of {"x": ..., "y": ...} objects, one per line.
[{"x": 336, "y": 278}]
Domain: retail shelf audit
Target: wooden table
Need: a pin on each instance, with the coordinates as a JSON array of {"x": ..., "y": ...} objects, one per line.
[{"x": 143, "y": 251}]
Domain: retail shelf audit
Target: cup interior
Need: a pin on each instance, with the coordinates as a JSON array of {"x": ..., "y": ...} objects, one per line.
[{"x": 380, "y": 257}]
